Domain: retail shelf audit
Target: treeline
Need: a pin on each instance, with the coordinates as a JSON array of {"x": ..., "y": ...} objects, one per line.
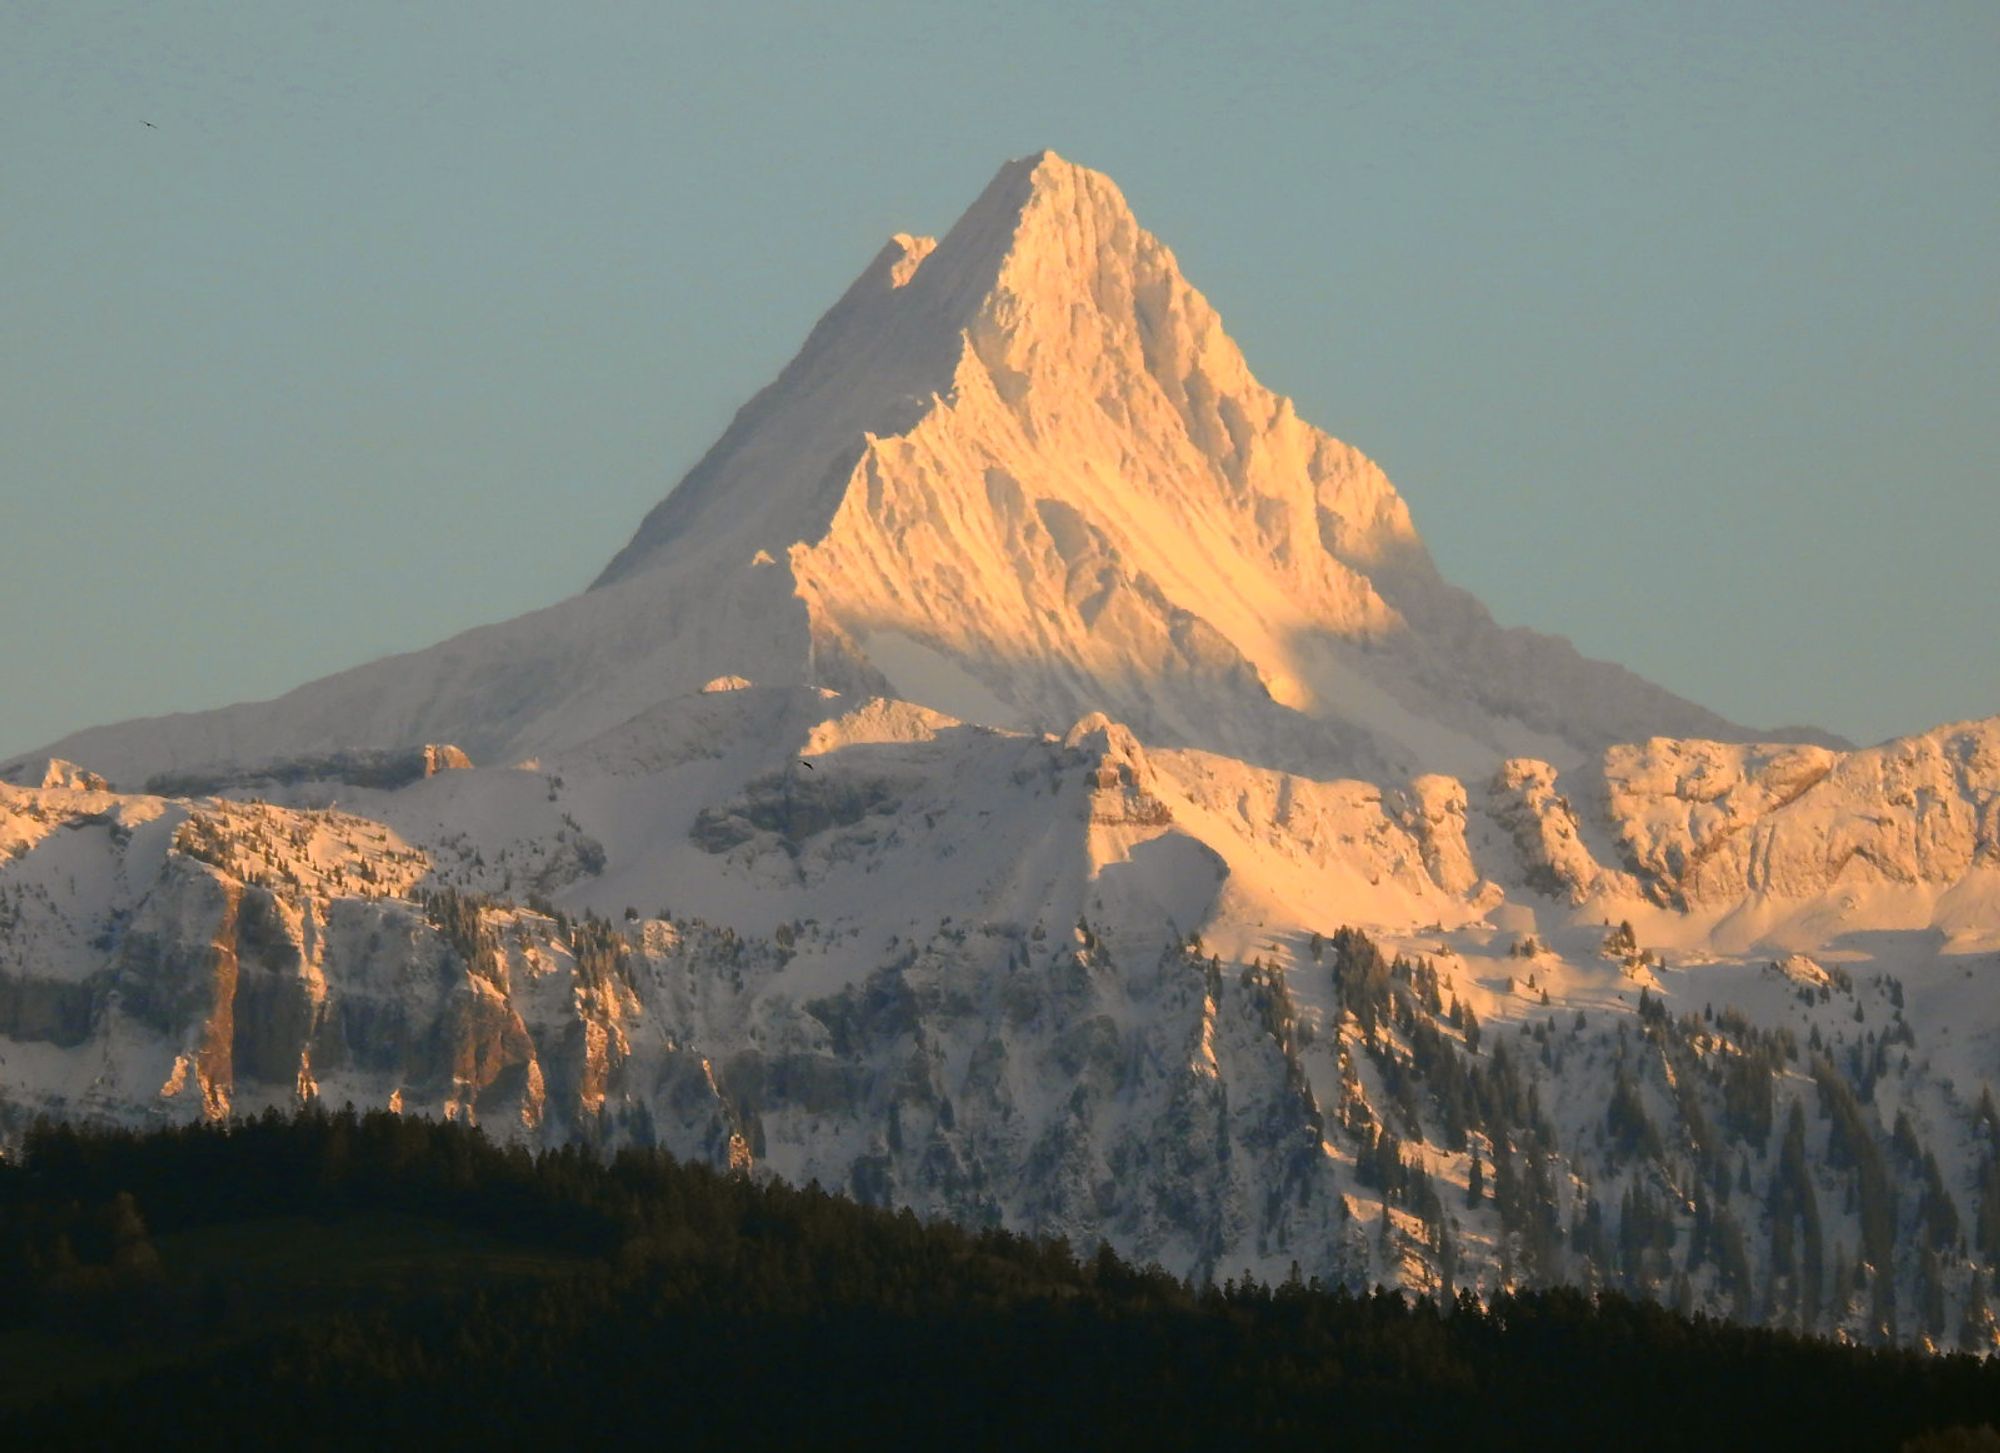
[
  {"x": 1732, "y": 1165},
  {"x": 638, "y": 1296}
]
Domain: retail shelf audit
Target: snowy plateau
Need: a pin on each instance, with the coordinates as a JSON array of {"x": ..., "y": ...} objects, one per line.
[{"x": 1026, "y": 773}]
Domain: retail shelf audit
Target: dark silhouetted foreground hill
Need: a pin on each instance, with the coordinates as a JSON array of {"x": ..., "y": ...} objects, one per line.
[{"x": 368, "y": 1281}]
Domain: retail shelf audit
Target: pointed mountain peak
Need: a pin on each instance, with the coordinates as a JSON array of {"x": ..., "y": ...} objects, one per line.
[
  {"x": 1042, "y": 213},
  {"x": 1058, "y": 187},
  {"x": 1045, "y": 188},
  {"x": 1046, "y": 246},
  {"x": 1036, "y": 194}
]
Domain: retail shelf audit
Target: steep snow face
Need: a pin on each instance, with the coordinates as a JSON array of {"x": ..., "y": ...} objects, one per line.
[
  {"x": 1103, "y": 510},
  {"x": 871, "y": 366},
  {"x": 1017, "y": 474}
]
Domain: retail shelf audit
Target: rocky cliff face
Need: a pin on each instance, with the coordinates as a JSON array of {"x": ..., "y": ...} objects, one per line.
[
  {"x": 1088, "y": 986},
  {"x": 244, "y": 955},
  {"x": 1706, "y": 823}
]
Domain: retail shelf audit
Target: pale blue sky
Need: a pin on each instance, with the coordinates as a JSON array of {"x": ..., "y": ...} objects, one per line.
[{"x": 1676, "y": 325}]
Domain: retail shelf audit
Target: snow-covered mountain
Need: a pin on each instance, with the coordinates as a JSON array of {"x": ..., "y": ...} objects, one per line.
[
  {"x": 960, "y": 791},
  {"x": 1018, "y": 474}
]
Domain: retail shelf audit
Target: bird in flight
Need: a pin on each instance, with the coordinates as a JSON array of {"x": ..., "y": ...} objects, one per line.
[
  {"x": 807, "y": 765},
  {"x": 148, "y": 123}
]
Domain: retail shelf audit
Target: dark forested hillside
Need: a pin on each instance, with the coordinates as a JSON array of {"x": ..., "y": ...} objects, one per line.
[{"x": 343, "y": 1280}]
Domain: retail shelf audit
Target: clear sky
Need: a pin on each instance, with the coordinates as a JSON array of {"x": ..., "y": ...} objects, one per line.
[{"x": 1678, "y": 326}]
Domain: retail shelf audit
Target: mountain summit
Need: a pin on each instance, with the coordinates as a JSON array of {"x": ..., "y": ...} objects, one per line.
[{"x": 1018, "y": 474}]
